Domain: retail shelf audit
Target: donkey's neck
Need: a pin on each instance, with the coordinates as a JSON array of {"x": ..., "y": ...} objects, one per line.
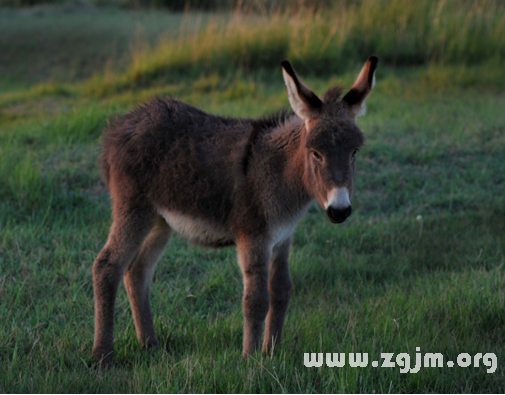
[{"x": 289, "y": 139}]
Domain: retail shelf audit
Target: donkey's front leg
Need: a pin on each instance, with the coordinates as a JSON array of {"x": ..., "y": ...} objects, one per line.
[
  {"x": 253, "y": 257},
  {"x": 280, "y": 285}
]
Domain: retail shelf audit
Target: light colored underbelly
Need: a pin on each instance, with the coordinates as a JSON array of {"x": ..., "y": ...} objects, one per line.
[
  {"x": 280, "y": 233},
  {"x": 197, "y": 230},
  {"x": 284, "y": 230}
]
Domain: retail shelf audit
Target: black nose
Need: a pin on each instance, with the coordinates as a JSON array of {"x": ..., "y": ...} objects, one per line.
[{"x": 338, "y": 215}]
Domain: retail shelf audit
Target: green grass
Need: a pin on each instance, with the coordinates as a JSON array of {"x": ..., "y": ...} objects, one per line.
[{"x": 420, "y": 263}]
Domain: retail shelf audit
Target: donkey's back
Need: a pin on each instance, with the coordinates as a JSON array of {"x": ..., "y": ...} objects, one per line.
[
  {"x": 221, "y": 181},
  {"x": 168, "y": 135},
  {"x": 180, "y": 162}
]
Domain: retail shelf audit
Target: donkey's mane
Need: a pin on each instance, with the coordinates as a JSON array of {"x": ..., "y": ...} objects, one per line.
[
  {"x": 332, "y": 96},
  {"x": 277, "y": 118},
  {"x": 267, "y": 122}
]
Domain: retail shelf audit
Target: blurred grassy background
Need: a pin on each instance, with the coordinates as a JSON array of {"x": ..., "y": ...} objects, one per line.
[{"x": 321, "y": 40}]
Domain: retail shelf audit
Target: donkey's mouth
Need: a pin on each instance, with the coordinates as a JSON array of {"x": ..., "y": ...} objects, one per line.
[
  {"x": 337, "y": 216},
  {"x": 337, "y": 221}
]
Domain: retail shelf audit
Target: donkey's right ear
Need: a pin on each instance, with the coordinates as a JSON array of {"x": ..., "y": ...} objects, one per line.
[
  {"x": 304, "y": 102},
  {"x": 355, "y": 98}
]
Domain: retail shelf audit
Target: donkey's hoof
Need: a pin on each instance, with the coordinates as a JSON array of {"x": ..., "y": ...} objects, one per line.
[
  {"x": 269, "y": 349},
  {"x": 150, "y": 345},
  {"x": 105, "y": 358}
]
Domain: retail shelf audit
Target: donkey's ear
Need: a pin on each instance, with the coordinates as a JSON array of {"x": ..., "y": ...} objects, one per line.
[
  {"x": 304, "y": 102},
  {"x": 355, "y": 98}
]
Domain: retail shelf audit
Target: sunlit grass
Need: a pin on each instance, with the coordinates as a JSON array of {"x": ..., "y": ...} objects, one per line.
[{"x": 425, "y": 32}]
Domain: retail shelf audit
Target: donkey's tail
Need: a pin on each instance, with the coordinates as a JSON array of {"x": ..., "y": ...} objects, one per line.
[{"x": 116, "y": 138}]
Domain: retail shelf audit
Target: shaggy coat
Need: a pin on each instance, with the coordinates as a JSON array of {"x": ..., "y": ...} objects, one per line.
[{"x": 219, "y": 182}]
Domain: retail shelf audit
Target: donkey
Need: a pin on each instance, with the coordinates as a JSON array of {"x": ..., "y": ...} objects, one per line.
[{"x": 219, "y": 182}]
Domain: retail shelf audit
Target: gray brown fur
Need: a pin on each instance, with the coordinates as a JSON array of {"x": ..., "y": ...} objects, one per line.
[{"x": 219, "y": 182}]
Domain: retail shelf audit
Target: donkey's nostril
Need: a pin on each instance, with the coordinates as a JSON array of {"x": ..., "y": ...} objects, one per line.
[{"x": 338, "y": 215}]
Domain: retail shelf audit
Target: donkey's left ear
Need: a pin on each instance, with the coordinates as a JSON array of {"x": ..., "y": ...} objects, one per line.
[
  {"x": 355, "y": 98},
  {"x": 304, "y": 102}
]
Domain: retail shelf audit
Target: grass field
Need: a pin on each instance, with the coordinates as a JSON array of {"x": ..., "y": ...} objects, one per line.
[{"x": 420, "y": 263}]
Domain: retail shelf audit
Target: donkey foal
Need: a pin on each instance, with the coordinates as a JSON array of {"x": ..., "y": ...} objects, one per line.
[{"x": 218, "y": 182}]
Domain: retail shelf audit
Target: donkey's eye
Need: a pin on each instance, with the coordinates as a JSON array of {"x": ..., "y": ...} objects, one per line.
[
  {"x": 355, "y": 152},
  {"x": 316, "y": 155}
]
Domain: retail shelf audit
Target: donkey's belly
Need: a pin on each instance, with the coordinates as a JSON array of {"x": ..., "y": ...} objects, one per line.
[{"x": 198, "y": 230}]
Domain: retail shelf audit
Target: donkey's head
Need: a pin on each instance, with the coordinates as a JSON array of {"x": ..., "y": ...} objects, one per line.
[{"x": 330, "y": 137}]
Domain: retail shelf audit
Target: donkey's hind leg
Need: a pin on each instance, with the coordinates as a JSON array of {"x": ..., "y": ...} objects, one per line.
[
  {"x": 128, "y": 231},
  {"x": 279, "y": 285},
  {"x": 138, "y": 280}
]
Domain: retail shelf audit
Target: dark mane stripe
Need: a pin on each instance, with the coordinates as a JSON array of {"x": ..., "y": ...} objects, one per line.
[
  {"x": 333, "y": 95},
  {"x": 267, "y": 122}
]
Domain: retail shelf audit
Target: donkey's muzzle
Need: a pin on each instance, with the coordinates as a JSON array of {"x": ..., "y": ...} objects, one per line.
[{"x": 338, "y": 215}]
